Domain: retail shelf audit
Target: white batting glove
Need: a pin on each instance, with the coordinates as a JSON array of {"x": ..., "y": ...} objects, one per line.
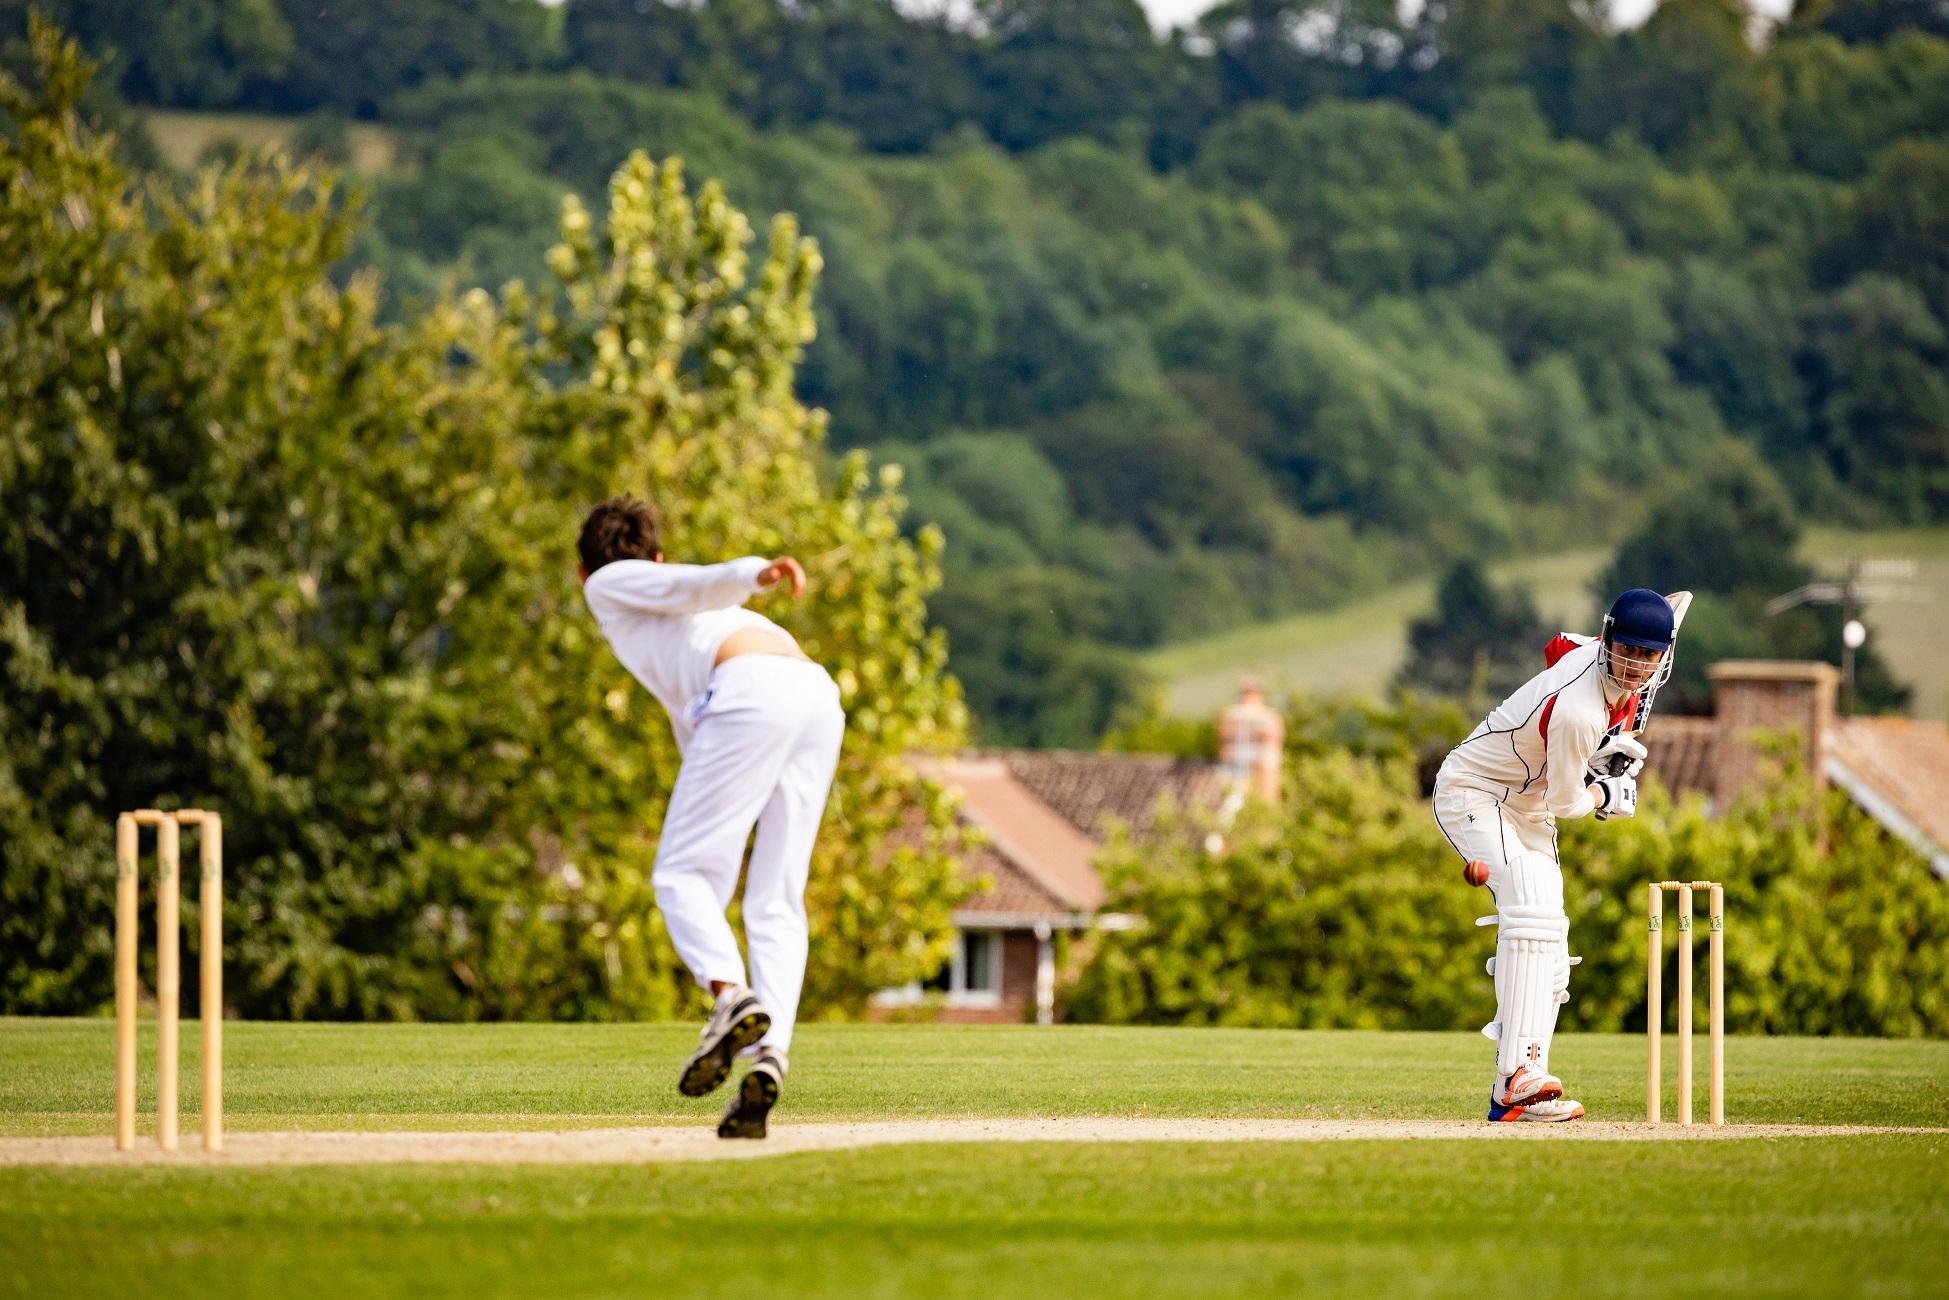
[
  {"x": 1617, "y": 796},
  {"x": 1618, "y": 756}
]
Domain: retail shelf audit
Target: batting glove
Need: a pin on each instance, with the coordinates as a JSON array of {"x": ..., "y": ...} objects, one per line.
[
  {"x": 1617, "y": 796},
  {"x": 1618, "y": 756}
]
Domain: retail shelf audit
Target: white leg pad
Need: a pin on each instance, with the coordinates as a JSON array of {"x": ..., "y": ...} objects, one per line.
[{"x": 1532, "y": 963}]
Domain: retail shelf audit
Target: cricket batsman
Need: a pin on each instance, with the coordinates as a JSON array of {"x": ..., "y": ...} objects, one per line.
[
  {"x": 1563, "y": 746},
  {"x": 759, "y": 726}
]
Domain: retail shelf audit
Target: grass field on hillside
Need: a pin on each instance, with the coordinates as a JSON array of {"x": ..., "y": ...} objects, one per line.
[
  {"x": 181, "y": 137},
  {"x": 1357, "y": 648},
  {"x": 1750, "y": 1216}
]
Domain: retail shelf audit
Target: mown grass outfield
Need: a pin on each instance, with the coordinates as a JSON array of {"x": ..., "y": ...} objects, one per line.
[{"x": 1767, "y": 1215}]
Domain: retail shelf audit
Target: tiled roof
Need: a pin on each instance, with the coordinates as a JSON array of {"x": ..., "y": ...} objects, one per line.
[
  {"x": 1036, "y": 839},
  {"x": 1897, "y": 770},
  {"x": 1086, "y": 788},
  {"x": 1042, "y": 813},
  {"x": 1008, "y": 891},
  {"x": 1681, "y": 754}
]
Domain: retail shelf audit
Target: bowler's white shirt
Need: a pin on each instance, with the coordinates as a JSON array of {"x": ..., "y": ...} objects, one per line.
[{"x": 666, "y": 622}]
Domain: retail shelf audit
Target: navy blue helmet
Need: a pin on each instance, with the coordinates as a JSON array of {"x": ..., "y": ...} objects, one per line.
[{"x": 1643, "y": 618}]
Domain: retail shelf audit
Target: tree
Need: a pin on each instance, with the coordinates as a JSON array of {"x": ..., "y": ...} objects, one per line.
[
  {"x": 1037, "y": 669},
  {"x": 1731, "y": 537},
  {"x": 262, "y": 553},
  {"x": 1297, "y": 51},
  {"x": 355, "y": 55},
  {"x": 187, "y": 53},
  {"x": 1870, "y": 20},
  {"x": 1055, "y": 68},
  {"x": 1874, "y": 365},
  {"x": 1466, "y": 46},
  {"x": 1480, "y": 642},
  {"x": 1681, "y": 76}
]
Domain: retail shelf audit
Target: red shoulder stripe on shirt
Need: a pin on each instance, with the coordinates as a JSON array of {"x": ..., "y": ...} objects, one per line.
[{"x": 1559, "y": 646}]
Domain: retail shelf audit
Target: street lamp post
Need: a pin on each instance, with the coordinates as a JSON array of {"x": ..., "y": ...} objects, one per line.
[{"x": 1862, "y": 581}]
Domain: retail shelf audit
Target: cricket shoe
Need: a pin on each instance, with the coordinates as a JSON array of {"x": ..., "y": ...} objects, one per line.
[
  {"x": 1556, "y": 1111},
  {"x": 737, "y": 1021},
  {"x": 1528, "y": 1085},
  {"x": 757, "y": 1093}
]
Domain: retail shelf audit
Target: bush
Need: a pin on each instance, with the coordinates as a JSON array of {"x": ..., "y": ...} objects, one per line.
[{"x": 1344, "y": 909}]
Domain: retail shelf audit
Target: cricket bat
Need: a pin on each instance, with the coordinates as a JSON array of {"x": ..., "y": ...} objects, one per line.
[{"x": 1680, "y": 601}]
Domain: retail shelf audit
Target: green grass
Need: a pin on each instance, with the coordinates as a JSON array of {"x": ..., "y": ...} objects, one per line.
[
  {"x": 1357, "y": 648},
  {"x": 1352, "y": 650},
  {"x": 1777, "y": 1217},
  {"x": 181, "y": 136},
  {"x": 1767, "y": 1216},
  {"x": 55, "y": 1075},
  {"x": 1910, "y": 633}
]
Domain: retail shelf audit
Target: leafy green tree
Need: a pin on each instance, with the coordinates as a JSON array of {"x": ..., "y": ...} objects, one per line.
[
  {"x": 902, "y": 81},
  {"x": 1875, "y": 367},
  {"x": 1466, "y": 46},
  {"x": 1339, "y": 171},
  {"x": 1295, "y": 52},
  {"x": 1480, "y": 642},
  {"x": 187, "y": 53},
  {"x": 719, "y": 48},
  {"x": 266, "y": 554},
  {"x": 1730, "y": 537},
  {"x": 1869, "y": 20},
  {"x": 1901, "y": 219},
  {"x": 1676, "y": 79},
  {"x": 473, "y": 188},
  {"x": 1736, "y": 340},
  {"x": 1036, "y": 669},
  {"x": 355, "y": 55},
  {"x": 1054, "y": 68}
]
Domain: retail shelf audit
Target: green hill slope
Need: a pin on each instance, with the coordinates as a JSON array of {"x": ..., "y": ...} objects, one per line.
[{"x": 1357, "y": 648}]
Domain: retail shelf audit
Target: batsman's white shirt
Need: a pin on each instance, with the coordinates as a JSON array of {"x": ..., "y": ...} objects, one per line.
[
  {"x": 666, "y": 622},
  {"x": 1532, "y": 753},
  {"x": 1497, "y": 799}
]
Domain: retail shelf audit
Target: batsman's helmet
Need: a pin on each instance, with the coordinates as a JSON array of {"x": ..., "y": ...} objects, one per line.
[{"x": 1642, "y": 618}]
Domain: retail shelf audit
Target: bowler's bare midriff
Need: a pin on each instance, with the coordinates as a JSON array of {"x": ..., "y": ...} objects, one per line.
[{"x": 756, "y": 641}]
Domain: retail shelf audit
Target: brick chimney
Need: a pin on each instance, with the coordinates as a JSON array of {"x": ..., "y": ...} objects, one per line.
[
  {"x": 1752, "y": 696},
  {"x": 1252, "y": 742}
]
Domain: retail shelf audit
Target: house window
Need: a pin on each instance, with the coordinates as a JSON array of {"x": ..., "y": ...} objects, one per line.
[
  {"x": 973, "y": 975},
  {"x": 981, "y": 964},
  {"x": 971, "y": 978}
]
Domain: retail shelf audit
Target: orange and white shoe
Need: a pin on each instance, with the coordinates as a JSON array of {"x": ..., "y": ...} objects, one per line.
[
  {"x": 1526, "y": 1086},
  {"x": 1558, "y": 1110}
]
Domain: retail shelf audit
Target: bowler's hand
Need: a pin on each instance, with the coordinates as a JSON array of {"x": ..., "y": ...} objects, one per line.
[{"x": 782, "y": 568}]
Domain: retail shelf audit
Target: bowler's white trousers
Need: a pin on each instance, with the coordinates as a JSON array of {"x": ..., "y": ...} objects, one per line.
[{"x": 766, "y": 743}]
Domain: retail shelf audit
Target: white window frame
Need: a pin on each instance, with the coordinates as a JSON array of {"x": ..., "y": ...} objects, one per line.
[{"x": 958, "y": 992}]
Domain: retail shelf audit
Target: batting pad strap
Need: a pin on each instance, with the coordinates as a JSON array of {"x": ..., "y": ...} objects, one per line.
[{"x": 1543, "y": 924}]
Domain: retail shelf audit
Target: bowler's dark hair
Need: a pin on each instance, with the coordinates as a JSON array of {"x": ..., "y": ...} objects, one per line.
[{"x": 621, "y": 528}]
